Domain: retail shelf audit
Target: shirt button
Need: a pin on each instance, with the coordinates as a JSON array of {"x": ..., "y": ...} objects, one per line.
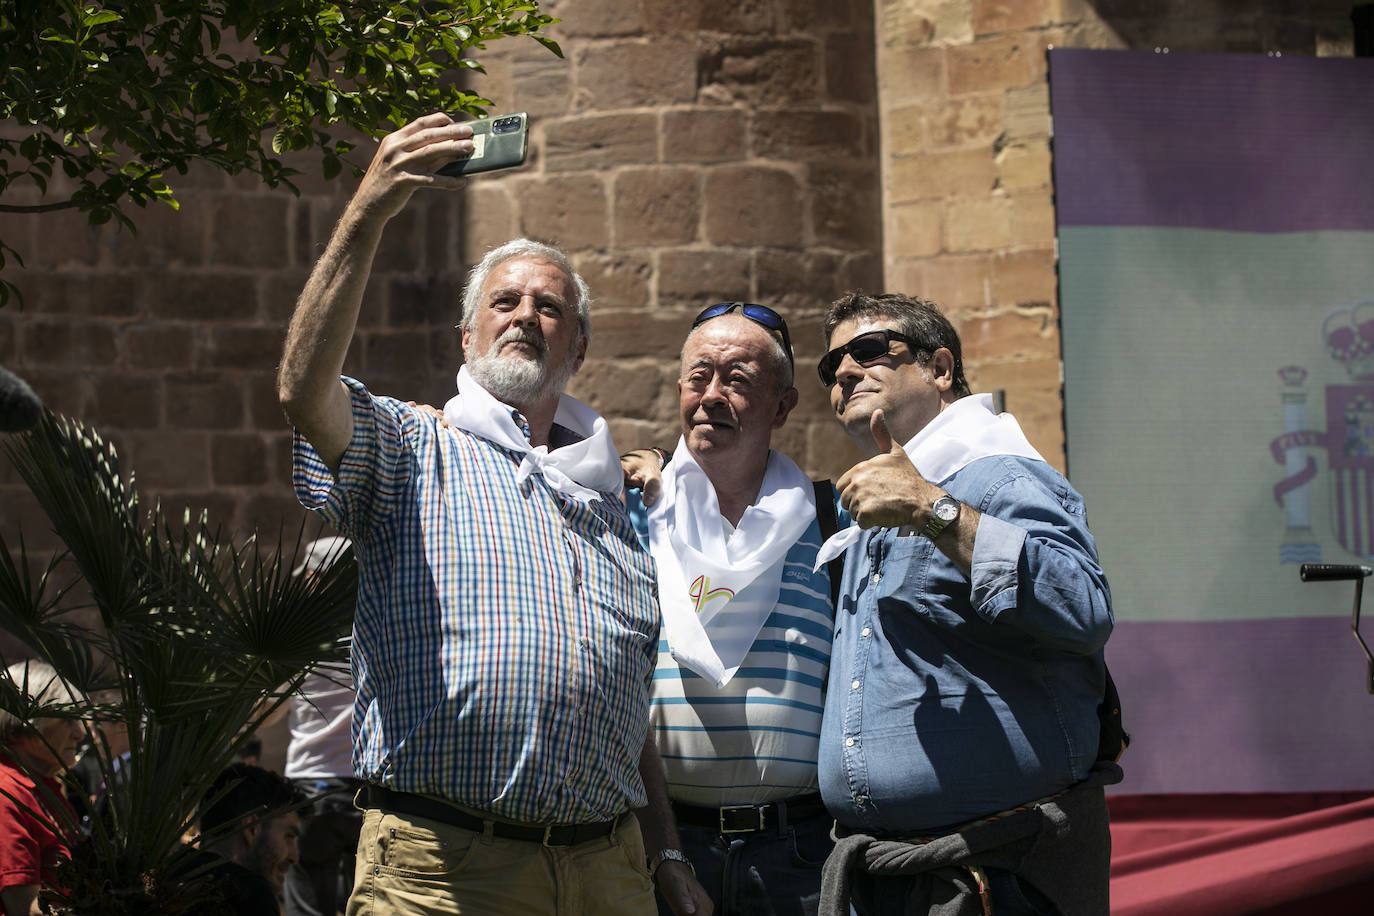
[
  {"x": 854, "y": 685},
  {"x": 848, "y": 742},
  {"x": 876, "y": 577},
  {"x": 866, "y": 631}
]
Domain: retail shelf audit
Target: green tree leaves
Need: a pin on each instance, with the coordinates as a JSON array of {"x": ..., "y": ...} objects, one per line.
[{"x": 119, "y": 95}]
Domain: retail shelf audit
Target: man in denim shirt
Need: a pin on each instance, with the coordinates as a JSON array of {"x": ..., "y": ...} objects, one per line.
[{"x": 959, "y": 744}]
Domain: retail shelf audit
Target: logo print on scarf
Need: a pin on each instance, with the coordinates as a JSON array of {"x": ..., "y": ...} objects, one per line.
[{"x": 702, "y": 592}]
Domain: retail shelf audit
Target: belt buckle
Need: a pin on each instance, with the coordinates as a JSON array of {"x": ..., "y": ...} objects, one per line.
[
  {"x": 548, "y": 832},
  {"x": 732, "y": 808}
]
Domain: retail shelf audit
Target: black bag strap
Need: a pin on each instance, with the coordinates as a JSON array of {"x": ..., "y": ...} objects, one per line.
[
  {"x": 830, "y": 523},
  {"x": 1113, "y": 739}
]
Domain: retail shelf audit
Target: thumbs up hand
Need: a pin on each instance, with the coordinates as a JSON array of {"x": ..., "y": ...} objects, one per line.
[{"x": 886, "y": 491}]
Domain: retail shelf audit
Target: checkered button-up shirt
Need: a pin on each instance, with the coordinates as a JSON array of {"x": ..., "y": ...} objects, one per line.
[{"x": 505, "y": 636}]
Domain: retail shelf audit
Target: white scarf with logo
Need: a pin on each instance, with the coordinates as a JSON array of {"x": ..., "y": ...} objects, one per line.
[
  {"x": 962, "y": 433},
  {"x": 716, "y": 590},
  {"x": 583, "y": 470}
]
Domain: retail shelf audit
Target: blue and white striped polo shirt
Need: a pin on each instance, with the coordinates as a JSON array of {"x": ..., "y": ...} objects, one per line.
[
  {"x": 754, "y": 740},
  {"x": 505, "y": 637}
]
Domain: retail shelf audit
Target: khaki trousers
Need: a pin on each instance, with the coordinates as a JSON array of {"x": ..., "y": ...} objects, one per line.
[{"x": 417, "y": 867}]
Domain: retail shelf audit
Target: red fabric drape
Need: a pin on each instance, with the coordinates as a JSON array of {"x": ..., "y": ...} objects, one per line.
[{"x": 1289, "y": 853}]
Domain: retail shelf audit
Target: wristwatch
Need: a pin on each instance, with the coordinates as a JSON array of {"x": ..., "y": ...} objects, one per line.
[
  {"x": 944, "y": 511},
  {"x": 669, "y": 855}
]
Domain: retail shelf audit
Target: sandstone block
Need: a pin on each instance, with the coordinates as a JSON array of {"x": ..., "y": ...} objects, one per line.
[
  {"x": 253, "y": 348},
  {"x": 570, "y": 212},
  {"x": 753, "y": 205},
  {"x": 992, "y": 64},
  {"x": 704, "y": 135},
  {"x": 638, "y": 72},
  {"x": 249, "y": 230},
  {"x": 958, "y": 282},
  {"x": 600, "y": 141},
  {"x": 764, "y": 73},
  {"x": 128, "y": 401},
  {"x": 238, "y": 460},
  {"x": 618, "y": 280},
  {"x": 994, "y": 16},
  {"x": 488, "y": 219},
  {"x": 656, "y": 206},
  {"x": 77, "y": 345},
  {"x": 166, "y": 459},
  {"x": 165, "y": 237},
  {"x": 204, "y": 401},
  {"x": 1027, "y": 115},
  {"x": 808, "y": 134},
  {"x": 967, "y": 121},
  {"x": 204, "y": 295},
  {"x": 1024, "y": 276},
  {"x": 977, "y": 224},
  {"x": 699, "y": 277},
  {"x": 158, "y": 346},
  {"x": 921, "y": 70},
  {"x": 951, "y": 173},
  {"x": 1032, "y": 218},
  {"x": 66, "y": 239},
  {"x": 845, "y": 205},
  {"x": 1009, "y": 335},
  {"x": 849, "y": 70},
  {"x": 1024, "y": 167},
  {"x": 916, "y": 229},
  {"x": 914, "y": 23}
]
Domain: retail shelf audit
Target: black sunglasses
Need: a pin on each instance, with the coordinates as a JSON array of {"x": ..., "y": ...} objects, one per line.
[
  {"x": 867, "y": 347},
  {"x": 759, "y": 314}
]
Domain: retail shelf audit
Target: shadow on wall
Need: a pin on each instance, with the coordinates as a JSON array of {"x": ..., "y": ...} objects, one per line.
[{"x": 1316, "y": 28}]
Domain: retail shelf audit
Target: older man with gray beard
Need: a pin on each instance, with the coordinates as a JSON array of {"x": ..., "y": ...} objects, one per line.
[{"x": 507, "y": 618}]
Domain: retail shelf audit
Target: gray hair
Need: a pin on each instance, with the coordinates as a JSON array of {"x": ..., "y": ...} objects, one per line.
[
  {"x": 518, "y": 248},
  {"x": 322, "y": 553},
  {"x": 41, "y": 683}
]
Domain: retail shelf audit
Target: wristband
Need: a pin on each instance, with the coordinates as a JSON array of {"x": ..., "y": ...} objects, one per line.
[{"x": 663, "y": 458}]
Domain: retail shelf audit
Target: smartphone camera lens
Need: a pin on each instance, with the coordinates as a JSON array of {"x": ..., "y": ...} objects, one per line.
[{"x": 505, "y": 125}]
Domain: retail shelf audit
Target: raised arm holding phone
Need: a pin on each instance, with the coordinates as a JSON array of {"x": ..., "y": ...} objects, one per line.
[{"x": 507, "y": 622}]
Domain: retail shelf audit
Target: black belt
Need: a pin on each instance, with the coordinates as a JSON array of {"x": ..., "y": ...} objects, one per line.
[
  {"x": 385, "y": 799},
  {"x": 750, "y": 818}
]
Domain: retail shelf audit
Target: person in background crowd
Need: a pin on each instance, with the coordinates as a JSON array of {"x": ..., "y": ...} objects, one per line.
[
  {"x": 36, "y": 821},
  {"x": 319, "y": 762},
  {"x": 252, "y": 856}
]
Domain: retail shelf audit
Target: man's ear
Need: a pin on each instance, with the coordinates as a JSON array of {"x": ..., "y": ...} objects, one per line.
[
  {"x": 941, "y": 368},
  {"x": 785, "y": 405},
  {"x": 581, "y": 349}
]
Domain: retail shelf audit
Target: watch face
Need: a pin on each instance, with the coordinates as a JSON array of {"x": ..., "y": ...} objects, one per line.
[{"x": 946, "y": 509}]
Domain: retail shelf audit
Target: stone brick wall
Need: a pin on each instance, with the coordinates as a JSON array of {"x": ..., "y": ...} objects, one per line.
[
  {"x": 684, "y": 151},
  {"x": 968, "y": 209}
]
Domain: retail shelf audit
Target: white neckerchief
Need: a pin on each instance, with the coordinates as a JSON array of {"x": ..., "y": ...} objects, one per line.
[
  {"x": 717, "y": 589},
  {"x": 582, "y": 470},
  {"x": 962, "y": 433}
]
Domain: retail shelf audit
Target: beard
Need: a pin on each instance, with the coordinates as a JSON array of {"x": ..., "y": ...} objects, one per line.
[{"x": 520, "y": 380}]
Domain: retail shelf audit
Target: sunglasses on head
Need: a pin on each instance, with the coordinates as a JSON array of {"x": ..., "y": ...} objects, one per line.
[
  {"x": 759, "y": 314},
  {"x": 865, "y": 348}
]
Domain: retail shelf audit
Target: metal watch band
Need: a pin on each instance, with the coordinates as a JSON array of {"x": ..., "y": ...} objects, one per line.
[
  {"x": 669, "y": 855},
  {"x": 935, "y": 523}
]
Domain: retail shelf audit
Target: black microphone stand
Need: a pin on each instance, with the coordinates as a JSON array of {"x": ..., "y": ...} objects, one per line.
[{"x": 1318, "y": 572}]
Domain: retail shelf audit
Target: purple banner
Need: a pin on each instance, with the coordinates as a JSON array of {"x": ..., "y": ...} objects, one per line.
[
  {"x": 1212, "y": 141},
  {"x": 1285, "y": 701}
]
